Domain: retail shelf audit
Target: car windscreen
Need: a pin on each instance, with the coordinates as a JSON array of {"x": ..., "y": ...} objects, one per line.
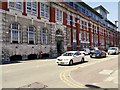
[
  {"x": 68, "y": 54},
  {"x": 112, "y": 48},
  {"x": 97, "y": 51}
]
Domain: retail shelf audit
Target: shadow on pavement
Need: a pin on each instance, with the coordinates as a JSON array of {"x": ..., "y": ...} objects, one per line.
[
  {"x": 91, "y": 86},
  {"x": 10, "y": 62}
]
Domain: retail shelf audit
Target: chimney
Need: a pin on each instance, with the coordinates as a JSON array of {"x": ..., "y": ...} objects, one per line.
[{"x": 116, "y": 23}]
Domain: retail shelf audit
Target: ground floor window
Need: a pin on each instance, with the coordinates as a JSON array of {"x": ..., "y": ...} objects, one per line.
[
  {"x": 31, "y": 35},
  {"x": 69, "y": 36},
  {"x": 15, "y": 33},
  {"x": 44, "y": 36}
]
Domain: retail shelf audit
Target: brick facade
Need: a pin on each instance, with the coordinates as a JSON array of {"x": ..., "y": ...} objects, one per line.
[{"x": 96, "y": 33}]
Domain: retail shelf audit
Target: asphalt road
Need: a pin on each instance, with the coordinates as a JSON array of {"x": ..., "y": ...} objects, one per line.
[
  {"x": 100, "y": 75},
  {"x": 46, "y": 72}
]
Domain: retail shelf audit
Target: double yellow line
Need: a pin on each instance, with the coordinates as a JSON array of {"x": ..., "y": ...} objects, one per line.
[{"x": 66, "y": 78}]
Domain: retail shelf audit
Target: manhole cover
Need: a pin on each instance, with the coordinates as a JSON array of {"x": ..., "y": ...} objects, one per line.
[{"x": 35, "y": 85}]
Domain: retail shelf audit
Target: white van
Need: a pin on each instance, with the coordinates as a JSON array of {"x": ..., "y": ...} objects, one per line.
[{"x": 113, "y": 50}]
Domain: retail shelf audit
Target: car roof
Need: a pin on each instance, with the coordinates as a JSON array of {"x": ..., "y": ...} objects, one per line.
[
  {"x": 71, "y": 51},
  {"x": 113, "y": 47}
]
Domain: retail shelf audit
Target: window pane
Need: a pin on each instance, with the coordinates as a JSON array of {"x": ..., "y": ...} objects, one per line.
[
  {"x": 19, "y": 5},
  {"x": 15, "y": 26},
  {"x": 57, "y": 15},
  {"x": 14, "y": 35},
  {"x": 28, "y": 7},
  {"x": 44, "y": 36},
  {"x": 46, "y": 11},
  {"x": 34, "y": 7},
  {"x": 12, "y": 3},
  {"x": 31, "y": 34},
  {"x": 60, "y": 15},
  {"x": 42, "y": 9}
]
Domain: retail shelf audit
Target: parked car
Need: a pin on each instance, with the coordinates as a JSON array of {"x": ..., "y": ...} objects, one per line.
[
  {"x": 113, "y": 50},
  {"x": 85, "y": 51},
  {"x": 92, "y": 50},
  {"x": 70, "y": 57},
  {"x": 98, "y": 53}
]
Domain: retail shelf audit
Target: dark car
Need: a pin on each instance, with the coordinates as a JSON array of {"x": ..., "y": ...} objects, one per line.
[{"x": 97, "y": 54}]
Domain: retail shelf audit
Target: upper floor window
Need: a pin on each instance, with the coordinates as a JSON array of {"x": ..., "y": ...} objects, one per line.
[
  {"x": 69, "y": 36},
  {"x": 81, "y": 23},
  {"x": 74, "y": 21},
  {"x": 44, "y": 10},
  {"x": 17, "y": 4},
  {"x": 68, "y": 19},
  {"x": 85, "y": 25},
  {"x": 74, "y": 35},
  {"x": 59, "y": 15},
  {"x": 31, "y": 35},
  {"x": 15, "y": 31},
  {"x": 31, "y": 7}
]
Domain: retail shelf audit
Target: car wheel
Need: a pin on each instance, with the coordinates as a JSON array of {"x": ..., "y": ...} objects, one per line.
[
  {"x": 71, "y": 62},
  {"x": 82, "y": 60},
  {"x": 91, "y": 56}
]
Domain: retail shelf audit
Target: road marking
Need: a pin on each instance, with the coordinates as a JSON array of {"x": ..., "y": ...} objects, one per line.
[
  {"x": 109, "y": 79},
  {"x": 106, "y": 72},
  {"x": 69, "y": 81}
]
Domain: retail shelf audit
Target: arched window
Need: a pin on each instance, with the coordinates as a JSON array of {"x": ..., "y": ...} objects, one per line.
[
  {"x": 15, "y": 33},
  {"x": 31, "y": 35},
  {"x": 44, "y": 36}
]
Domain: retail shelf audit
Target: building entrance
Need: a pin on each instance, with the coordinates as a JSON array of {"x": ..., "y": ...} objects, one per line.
[{"x": 59, "y": 42}]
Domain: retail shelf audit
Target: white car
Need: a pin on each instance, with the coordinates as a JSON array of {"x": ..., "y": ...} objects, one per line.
[
  {"x": 70, "y": 57},
  {"x": 113, "y": 50}
]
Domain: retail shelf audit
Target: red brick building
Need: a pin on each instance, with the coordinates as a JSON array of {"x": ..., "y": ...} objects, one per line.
[{"x": 54, "y": 27}]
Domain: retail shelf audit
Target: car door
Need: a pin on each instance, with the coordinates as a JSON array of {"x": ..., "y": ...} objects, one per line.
[{"x": 78, "y": 57}]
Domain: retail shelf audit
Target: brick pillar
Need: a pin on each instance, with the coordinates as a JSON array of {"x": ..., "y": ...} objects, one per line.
[
  {"x": 93, "y": 35},
  {"x": 98, "y": 37},
  {"x": 71, "y": 32},
  {"x": 90, "y": 34},
  {"x": 52, "y": 14},
  {"x": 64, "y": 18},
  {"x": 105, "y": 39},
  {"x": 77, "y": 33},
  {"x": 4, "y": 5},
  {"x": 24, "y": 8},
  {"x": 38, "y": 10}
]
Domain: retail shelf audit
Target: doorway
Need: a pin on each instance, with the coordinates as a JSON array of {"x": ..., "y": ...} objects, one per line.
[{"x": 59, "y": 42}]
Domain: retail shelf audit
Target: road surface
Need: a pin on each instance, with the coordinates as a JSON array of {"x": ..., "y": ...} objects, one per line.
[{"x": 46, "y": 72}]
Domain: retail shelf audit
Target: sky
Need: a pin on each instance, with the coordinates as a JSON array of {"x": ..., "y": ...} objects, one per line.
[{"x": 110, "y": 5}]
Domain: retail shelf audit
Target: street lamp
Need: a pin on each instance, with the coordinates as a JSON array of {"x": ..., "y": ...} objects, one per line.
[
  {"x": 16, "y": 49},
  {"x": 33, "y": 49}
]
